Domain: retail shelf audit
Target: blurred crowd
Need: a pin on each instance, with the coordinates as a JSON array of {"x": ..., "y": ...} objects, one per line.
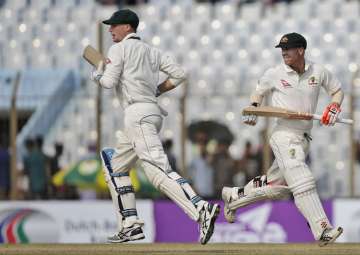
[
  {"x": 36, "y": 170},
  {"x": 211, "y": 168}
]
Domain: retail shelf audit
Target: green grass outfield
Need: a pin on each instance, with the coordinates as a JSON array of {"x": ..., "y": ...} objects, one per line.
[{"x": 173, "y": 249}]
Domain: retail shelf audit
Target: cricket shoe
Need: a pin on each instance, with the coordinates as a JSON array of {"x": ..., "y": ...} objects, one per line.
[
  {"x": 227, "y": 196},
  {"x": 208, "y": 215},
  {"x": 329, "y": 235},
  {"x": 127, "y": 234}
]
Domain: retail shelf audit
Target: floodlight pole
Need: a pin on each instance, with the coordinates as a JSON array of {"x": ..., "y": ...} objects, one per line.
[{"x": 13, "y": 134}]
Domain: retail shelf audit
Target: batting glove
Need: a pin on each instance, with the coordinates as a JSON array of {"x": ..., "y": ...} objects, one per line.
[
  {"x": 98, "y": 72},
  {"x": 250, "y": 119},
  {"x": 330, "y": 114}
]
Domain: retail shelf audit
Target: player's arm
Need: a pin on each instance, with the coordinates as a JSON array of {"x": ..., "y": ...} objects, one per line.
[
  {"x": 337, "y": 97},
  {"x": 176, "y": 74},
  {"x": 108, "y": 76},
  {"x": 164, "y": 87},
  {"x": 256, "y": 98},
  {"x": 333, "y": 87}
]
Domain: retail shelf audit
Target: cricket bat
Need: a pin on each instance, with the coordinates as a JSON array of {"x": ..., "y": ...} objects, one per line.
[
  {"x": 271, "y": 111},
  {"x": 93, "y": 56}
]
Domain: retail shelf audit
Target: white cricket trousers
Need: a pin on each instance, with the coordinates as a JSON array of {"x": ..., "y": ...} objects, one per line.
[
  {"x": 290, "y": 147},
  {"x": 140, "y": 140}
]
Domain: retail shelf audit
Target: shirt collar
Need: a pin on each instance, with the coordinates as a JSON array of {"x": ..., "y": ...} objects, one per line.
[
  {"x": 129, "y": 35},
  {"x": 288, "y": 69}
]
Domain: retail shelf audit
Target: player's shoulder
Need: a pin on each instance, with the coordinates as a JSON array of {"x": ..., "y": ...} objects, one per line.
[
  {"x": 273, "y": 71},
  {"x": 139, "y": 43},
  {"x": 116, "y": 47},
  {"x": 316, "y": 65},
  {"x": 319, "y": 68}
]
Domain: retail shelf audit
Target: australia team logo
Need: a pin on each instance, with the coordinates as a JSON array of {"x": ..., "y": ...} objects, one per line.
[
  {"x": 27, "y": 226},
  {"x": 313, "y": 81}
]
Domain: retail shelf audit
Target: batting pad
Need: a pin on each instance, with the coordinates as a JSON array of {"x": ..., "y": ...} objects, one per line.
[
  {"x": 115, "y": 201},
  {"x": 307, "y": 200},
  {"x": 121, "y": 190},
  {"x": 170, "y": 188}
]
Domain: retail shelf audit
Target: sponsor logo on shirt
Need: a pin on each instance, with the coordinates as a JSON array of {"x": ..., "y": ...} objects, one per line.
[
  {"x": 313, "y": 81},
  {"x": 107, "y": 61},
  {"x": 292, "y": 153},
  {"x": 285, "y": 83}
]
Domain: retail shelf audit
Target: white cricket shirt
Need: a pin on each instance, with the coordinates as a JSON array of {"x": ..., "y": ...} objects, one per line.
[
  {"x": 133, "y": 69},
  {"x": 296, "y": 92}
]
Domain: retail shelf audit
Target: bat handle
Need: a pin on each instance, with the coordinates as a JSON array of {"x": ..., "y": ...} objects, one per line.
[{"x": 340, "y": 120}]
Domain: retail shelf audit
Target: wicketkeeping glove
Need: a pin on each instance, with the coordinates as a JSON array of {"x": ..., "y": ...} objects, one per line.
[
  {"x": 330, "y": 114},
  {"x": 97, "y": 73}
]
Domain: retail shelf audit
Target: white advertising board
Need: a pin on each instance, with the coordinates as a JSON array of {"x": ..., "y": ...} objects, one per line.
[
  {"x": 346, "y": 213},
  {"x": 65, "y": 221}
]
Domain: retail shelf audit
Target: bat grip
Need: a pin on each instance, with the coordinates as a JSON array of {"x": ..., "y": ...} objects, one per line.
[{"x": 340, "y": 120}]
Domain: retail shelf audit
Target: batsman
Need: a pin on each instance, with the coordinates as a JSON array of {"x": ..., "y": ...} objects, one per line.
[
  {"x": 132, "y": 68},
  {"x": 293, "y": 85}
]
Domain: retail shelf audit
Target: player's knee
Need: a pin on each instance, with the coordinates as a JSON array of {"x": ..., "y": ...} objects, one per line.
[
  {"x": 111, "y": 168},
  {"x": 106, "y": 155},
  {"x": 277, "y": 191},
  {"x": 154, "y": 174},
  {"x": 157, "y": 179},
  {"x": 123, "y": 183},
  {"x": 176, "y": 177},
  {"x": 157, "y": 158},
  {"x": 303, "y": 184}
]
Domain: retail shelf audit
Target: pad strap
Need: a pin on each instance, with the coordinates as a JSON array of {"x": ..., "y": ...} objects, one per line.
[{"x": 124, "y": 190}]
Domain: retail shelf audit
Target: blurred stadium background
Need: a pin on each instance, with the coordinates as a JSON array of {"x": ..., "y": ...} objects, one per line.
[{"x": 46, "y": 98}]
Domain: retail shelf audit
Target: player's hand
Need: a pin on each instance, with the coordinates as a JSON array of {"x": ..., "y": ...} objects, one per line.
[
  {"x": 158, "y": 92},
  {"x": 330, "y": 114},
  {"x": 97, "y": 73}
]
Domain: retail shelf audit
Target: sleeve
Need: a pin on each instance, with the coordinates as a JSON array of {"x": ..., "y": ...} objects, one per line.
[
  {"x": 264, "y": 85},
  {"x": 175, "y": 72},
  {"x": 329, "y": 82},
  {"x": 114, "y": 67}
]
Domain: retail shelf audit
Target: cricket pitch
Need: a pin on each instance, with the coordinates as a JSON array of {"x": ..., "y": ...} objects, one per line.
[{"x": 180, "y": 248}]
